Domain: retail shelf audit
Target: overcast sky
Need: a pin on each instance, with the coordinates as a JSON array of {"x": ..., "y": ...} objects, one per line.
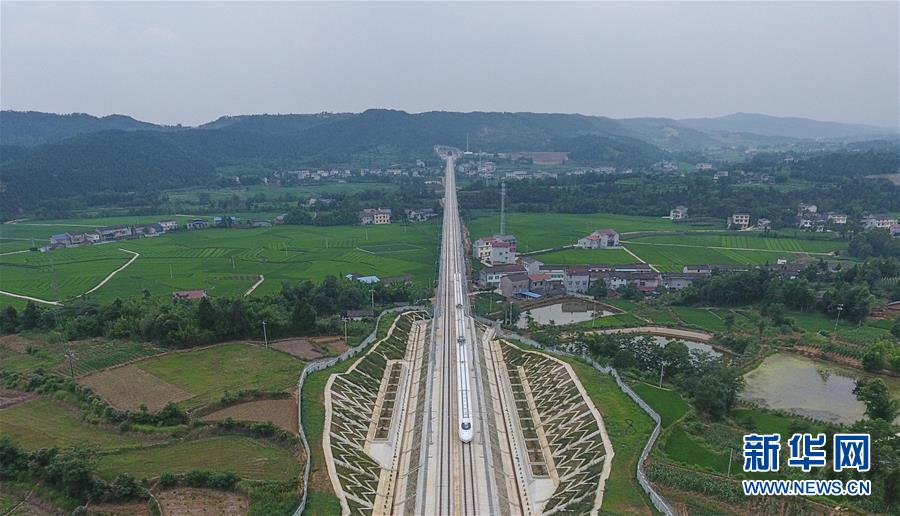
[{"x": 192, "y": 62}]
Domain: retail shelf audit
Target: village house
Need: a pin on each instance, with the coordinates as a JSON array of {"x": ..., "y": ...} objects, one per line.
[
  {"x": 197, "y": 224},
  {"x": 495, "y": 249},
  {"x": 577, "y": 280},
  {"x": 837, "y": 218},
  {"x": 375, "y": 216},
  {"x": 644, "y": 281},
  {"x": 741, "y": 220},
  {"x": 369, "y": 280},
  {"x": 168, "y": 225},
  {"x": 763, "y": 223},
  {"x": 147, "y": 230},
  {"x": 115, "y": 232},
  {"x": 489, "y": 277},
  {"x": 678, "y": 281},
  {"x": 879, "y": 221},
  {"x": 532, "y": 265},
  {"x": 514, "y": 284},
  {"x": 704, "y": 166},
  {"x": 188, "y": 294},
  {"x": 710, "y": 268},
  {"x": 600, "y": 239},
  {"x": 895, "y": 230},
  {"x": 678, "y": 213},
  {"x": 420, "y": 215}
]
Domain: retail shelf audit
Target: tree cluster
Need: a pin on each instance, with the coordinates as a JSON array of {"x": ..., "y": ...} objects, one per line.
[
  {"x": 303, "y": 309},
  {"x": 712, "y": 385}
]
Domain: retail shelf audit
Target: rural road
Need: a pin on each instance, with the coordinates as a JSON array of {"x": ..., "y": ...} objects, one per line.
[{"x": 113, "y": 273}]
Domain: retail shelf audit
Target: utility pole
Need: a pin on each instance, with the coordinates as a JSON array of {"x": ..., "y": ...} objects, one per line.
[
  {"x": 661, "y": 367},
  {"x": 502, "y": 207},
  {"x": 171, "y": 275},
  {"x": 730, "y": 455},
  {"x": 345, "y": 328},
  {"x": 70, "y": 356},
  {"x": 372, "y": 291},
  {"x": 265, "y": 336},
  {"x": 840, "y": 308}
]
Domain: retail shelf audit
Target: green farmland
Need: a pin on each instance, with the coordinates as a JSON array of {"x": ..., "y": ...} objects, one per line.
[
  {"x": 208, "y": 373},
  {"x": 586, "y": 257},
  {"x": 743, "y": 241},
  {"x": 669, "y": 258},
  {"x": 225, "y": 262},
  {"x": 253, "y": 459},
  {"x": 536, "y": 231}
]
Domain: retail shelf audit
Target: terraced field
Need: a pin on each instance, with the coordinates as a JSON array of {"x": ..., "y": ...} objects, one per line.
[{"x": 225, "y": 262}]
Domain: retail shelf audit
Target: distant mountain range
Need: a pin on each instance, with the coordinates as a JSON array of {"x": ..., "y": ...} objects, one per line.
[
  {"x": 31, "y": 128},
  {"x": 47, "y": 156}
]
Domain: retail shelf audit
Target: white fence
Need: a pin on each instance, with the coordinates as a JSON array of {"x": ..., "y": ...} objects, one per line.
[
  {"x": 324, "y": 363},
  {"x": 658, "y": 501}
]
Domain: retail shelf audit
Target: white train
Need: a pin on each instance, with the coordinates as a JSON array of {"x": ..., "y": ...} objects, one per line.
[{"x": 462, "y": 366}]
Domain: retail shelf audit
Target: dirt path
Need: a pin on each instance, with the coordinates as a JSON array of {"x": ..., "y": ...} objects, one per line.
[
  {"x": 661, "y": 330},
  {"x": 113, "y": 273},
  {"x": 253, "y": 287},
  {"x": 638, "y": 258},
  {"x": 29, "y": 298}
]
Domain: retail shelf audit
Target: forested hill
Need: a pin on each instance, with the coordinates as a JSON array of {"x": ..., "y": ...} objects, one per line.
[
  {"x": 29, "y": 128},
  {"x": 151, "y": 160},
  {"x": 44, "y": 156}
]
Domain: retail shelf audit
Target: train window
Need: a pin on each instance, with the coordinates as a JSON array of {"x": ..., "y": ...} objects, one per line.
[{"x": 466, "y": 426}]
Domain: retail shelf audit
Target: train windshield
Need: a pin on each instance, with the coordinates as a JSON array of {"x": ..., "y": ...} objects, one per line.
[{"x": 466, "y": 426}]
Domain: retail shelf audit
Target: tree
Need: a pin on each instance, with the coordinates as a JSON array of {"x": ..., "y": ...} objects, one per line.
[
  {"x": 631, "y": 292},
  {"x": 206, "y": 314},
  {"x": 9, "y": 320},
  {"x": 303, "y": 317},
  {"x": 729, "y": 321},
  {"x": 874, "y": 393},
  {"x": 715, "y": 392},
  {"x": 30, "y": 316},
  {"x": 875, "y": 356},
  {"x": 598, "y": 289}
]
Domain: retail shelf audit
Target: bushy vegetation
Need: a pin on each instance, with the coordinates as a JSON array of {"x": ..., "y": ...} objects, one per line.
[
  {"x": 303, "y": 309},
  {"x": 92, "y": 406},
  {"x": 851, "y": 288},
  {"x": 70, "y": 472},
  {"x": 712, "y": 385}
]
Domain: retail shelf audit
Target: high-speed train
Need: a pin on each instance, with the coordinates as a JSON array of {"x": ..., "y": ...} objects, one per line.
[{"x": 462, "y": 367}]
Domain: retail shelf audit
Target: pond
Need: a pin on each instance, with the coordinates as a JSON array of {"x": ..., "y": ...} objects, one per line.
[
  {"x": 808, "y": 387},
  {"x": 566, "y": 312},
  {"x": 691, "y": 345}
]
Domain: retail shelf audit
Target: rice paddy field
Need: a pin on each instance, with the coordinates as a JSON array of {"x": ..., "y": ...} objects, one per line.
[
  {"x": 666, "y": 245},
  {"x": 225, "y": 262},
  {"x": 537, "y": 231},
  {"x": 586, "y": 256},
  {"x": 743, "y": 241}
]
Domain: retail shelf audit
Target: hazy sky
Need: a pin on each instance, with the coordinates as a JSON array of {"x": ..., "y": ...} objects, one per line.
[{"x": 192, "y": 62}]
